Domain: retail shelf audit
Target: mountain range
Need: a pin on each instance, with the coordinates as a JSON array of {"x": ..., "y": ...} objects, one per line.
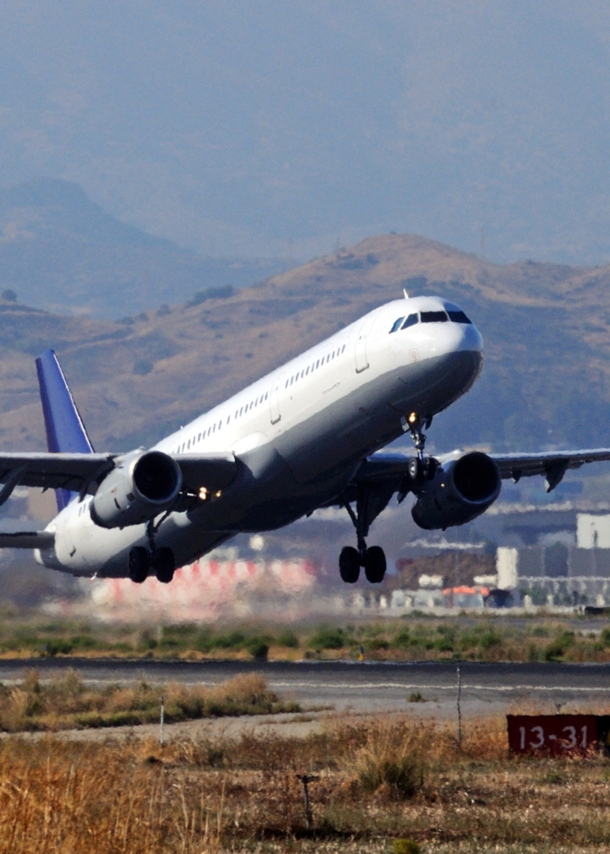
[
  {"x": 62, "y": 252},
  {"x": 545, "y": 383}
]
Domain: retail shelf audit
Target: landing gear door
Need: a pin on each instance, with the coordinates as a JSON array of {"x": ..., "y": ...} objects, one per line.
[
  {"x": 274, "y": 401},
  {"x": 362, "y": 361}
]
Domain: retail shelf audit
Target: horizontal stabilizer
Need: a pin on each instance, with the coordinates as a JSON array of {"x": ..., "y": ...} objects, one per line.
[{"x": 27, "y": 540}]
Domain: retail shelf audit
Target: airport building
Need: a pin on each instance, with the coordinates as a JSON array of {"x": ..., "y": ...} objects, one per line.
[{"x": 555, "y": 557}]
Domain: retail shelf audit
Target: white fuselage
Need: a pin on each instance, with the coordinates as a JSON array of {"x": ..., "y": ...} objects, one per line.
[{"x": 300, "y": 431}]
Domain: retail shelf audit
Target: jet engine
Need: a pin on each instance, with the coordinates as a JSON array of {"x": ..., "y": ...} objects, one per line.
[
  {"x": 138, "y": 489},
  {"x": 459, "y": 491}
]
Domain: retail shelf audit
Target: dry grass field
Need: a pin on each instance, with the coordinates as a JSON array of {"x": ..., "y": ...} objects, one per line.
[
  {"x": 379, "y": 786},
  {"x": 420, "y": 638},
  {"x": 66, "y": 702}
]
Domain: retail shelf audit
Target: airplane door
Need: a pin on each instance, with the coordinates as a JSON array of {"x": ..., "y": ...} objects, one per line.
[
  {"x": 274, "y": 402},
  {"x": 362, "y": 361}
]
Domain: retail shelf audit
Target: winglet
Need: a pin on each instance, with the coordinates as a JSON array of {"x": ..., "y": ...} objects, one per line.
[{"x": 65, "y": 430}]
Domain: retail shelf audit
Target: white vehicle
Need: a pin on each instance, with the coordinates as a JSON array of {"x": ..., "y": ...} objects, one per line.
[{"x": 305, "y": 436}]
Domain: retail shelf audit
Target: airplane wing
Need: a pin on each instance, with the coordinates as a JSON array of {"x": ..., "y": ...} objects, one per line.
[
  {"x": 84, "y": 472},
  {"x": 27, "y": 540},
  {"x": 54, "y": 471},
  {"x": 385, "y": 468},
  {"x": 552, "y": 464}
]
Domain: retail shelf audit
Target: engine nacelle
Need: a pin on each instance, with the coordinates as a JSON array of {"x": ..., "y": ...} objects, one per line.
[
  {"x": 138, "y": 489},
  {"x": 459, "y": 491}
]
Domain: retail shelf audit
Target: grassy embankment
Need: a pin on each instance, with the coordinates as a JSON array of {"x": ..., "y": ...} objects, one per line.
[
  {"x": 390, "y": 786},
  {"x": 65, "y": 702},
  {"x": 470, "y": 638}
]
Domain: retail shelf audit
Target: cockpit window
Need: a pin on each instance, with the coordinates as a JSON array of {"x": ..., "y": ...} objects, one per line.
[
  {"x": 396, "y": 324},
  {"x": 458, "y": 316},
  {"x": 410, "y": 321},
  {"x": 434, "y": 317}
]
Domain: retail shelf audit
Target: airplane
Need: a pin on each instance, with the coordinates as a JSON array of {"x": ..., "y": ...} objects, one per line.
[{"x": 308, "y": 435}]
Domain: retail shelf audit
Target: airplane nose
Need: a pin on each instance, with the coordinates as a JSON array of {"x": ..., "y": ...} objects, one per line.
[
  {"x": 457, "y": 338},
  {"x": 471, "y": 338}
]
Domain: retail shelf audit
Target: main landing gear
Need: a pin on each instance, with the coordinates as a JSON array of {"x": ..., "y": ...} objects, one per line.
[
  {"x": 160, "y": 560},
  {"x": 371, "y": 558}
]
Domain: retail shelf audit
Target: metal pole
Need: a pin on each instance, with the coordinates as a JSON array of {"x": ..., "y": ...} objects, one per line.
[
  {"x": 308, "y": 815},
  {"x": 161, "y": 723},
  {"x": 305, "y": 780},
  {"x": 459, "y": 707}
]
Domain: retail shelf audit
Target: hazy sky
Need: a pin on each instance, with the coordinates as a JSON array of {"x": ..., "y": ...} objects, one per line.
[{"x": 240, "y": 127}]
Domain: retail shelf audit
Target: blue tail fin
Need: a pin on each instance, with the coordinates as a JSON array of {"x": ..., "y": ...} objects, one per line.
[{"x": 65, "y": 429}]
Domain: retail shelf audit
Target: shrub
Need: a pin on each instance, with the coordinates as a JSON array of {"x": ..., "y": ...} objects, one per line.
[
  {"x": 557, "y": 649},
  {"x": 392, "y": 758},
  {"x": 288, "y": 639},
  {"x": 326, "y": 638},
  {"x": 58, "y": 646},
  {"x": 375, "y": 644},
  {"x": 489, "y": 640},
  {"x": 258, "y": 649},
  {"x": 84, "y": 642},
  {"x": 403, "y": 639}
]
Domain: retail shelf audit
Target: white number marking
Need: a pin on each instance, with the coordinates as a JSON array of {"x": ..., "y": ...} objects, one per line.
[{"x": 572, "y": 740}]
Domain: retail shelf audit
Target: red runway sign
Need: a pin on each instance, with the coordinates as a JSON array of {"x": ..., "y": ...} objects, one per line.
[{"x": 555, "y": 735}]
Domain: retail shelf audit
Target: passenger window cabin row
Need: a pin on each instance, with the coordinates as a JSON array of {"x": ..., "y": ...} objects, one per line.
[
  {"x": 190, "y": 443},
  {"x": 454, "y": 315},
  {"x": 314, "y": 366}
]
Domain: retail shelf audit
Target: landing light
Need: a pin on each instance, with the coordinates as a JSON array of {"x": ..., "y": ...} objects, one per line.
[
  {"x": 412, "y": 418},
  {"x": 203, "y": 493}
]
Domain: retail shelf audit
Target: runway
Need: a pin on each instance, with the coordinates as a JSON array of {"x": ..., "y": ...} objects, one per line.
[{"x": 369, "y": 686}]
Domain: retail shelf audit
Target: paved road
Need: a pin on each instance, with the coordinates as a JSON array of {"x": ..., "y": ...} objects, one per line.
[{"x": 369, "y": 686}]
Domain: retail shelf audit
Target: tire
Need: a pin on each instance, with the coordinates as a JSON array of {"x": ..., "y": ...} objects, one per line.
[
  {"x": 164, "y": 565},
  {"x": 349, "y": 565},
  {"x": 374, "y": 564},
  {"x": 138, "y": 564}
]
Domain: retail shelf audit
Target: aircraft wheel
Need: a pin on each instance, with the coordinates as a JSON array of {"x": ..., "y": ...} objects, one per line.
[
  {"x": 374, "y": 564},
  {"x": 138, "y": 564},
  {"x": 164, "y": 564},
  {"x": 349, "y": 565}
]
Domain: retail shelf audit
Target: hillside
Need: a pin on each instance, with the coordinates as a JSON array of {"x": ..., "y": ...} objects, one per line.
[
  {"x": 61, "y": 252},
  {"x": 546, "y": 380}
]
